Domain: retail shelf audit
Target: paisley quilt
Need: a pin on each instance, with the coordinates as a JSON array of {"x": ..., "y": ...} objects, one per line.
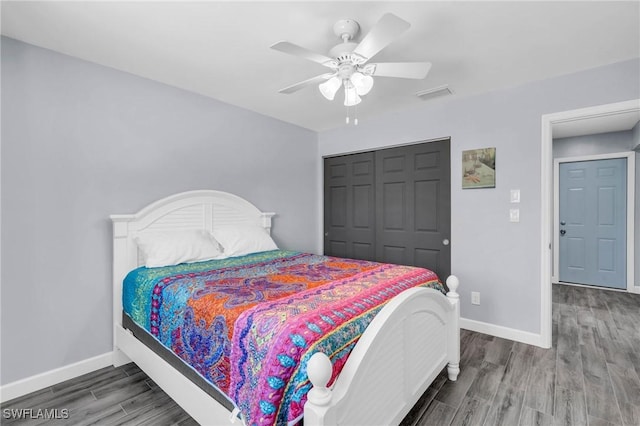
[{"x": 249, "y": 324}]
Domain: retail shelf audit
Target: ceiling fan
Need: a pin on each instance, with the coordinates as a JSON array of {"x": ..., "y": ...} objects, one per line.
[{"x": 348, "y": 60}]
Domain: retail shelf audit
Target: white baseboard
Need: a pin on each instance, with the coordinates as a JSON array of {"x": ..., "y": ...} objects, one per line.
[
  {"x": 53, "y": 377},
  {"x": 503, "y": 332}
]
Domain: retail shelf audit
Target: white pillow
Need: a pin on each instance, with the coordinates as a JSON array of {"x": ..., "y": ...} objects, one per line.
[
  {"x": 245, "y": 239},
  {"x": 174, "y": 247}
]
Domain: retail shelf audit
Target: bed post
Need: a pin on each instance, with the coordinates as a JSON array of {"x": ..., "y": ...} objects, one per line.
[
  {"x": 319, "y": 370},
  {"x": 453, "y": 368},
  {"x": 266, "y": 220}
]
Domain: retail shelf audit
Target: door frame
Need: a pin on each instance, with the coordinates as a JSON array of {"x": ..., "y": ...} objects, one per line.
[
  {"x": 631, "y": 173},
  {"x": 546, "y": 194}
]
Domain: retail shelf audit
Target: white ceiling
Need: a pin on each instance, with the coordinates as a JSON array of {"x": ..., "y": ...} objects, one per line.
[{"x": 221, "y": 49}]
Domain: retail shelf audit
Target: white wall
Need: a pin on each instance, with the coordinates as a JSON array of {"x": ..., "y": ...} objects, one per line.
[
  {"x": 491, "y": 255},
  {"x": 81, "y": 141}
]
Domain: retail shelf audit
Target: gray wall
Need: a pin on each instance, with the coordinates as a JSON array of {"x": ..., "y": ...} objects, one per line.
[
  {"x": 82, "y": 141},
  {"x": 635, "y": 142},
  {"x": 607, "y": 143},
  {"x": 499, "y": 259},
  {"x": 602, "y": 143}
]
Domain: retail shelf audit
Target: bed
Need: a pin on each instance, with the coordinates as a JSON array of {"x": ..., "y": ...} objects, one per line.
[{"x": 374, "y": 378}]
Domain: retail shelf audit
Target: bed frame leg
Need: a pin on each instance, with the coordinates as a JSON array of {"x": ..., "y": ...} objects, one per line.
[
  {"x": 119, "y": 358},
  {"x": 453, "y": 368},
  {"x": 319, "y": 371}
]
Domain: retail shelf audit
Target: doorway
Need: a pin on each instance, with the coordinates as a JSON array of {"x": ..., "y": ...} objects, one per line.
[{"x": 593, "y": 117}]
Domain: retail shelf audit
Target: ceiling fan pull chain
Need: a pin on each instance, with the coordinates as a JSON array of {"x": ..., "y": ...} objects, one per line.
[{"x": 355, "y": 115}]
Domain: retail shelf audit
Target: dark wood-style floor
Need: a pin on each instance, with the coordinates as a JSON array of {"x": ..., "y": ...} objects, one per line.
[{"x": 591, "y": 377}]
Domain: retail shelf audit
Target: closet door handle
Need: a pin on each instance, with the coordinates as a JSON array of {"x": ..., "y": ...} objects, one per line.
[{"x": 445, "y": 242}]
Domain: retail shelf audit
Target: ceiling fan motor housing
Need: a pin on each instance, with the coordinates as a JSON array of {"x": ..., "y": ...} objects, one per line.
[
  {"x": 346, "y": 29},
  {"x": 342, "y": 52}
]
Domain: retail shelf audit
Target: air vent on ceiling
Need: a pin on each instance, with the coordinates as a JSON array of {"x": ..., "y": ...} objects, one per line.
[{"x": 434, "y": 92}]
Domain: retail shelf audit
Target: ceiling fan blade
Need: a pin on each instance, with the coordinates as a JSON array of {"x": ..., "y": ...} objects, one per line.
[
  {"x": 384, "y": 32},
  {"x": 417, "y": 70},
  {"x": 294, "y": 49},
  {"x": 301, "y": 85}
]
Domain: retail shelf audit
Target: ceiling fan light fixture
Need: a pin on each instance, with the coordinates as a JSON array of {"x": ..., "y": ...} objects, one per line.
[
  {"x": 362, "y": 83},
  {"x": 351, "y": 97},
  {"x": 330, "y": 87},
  {"x": 348, "y": 61}
]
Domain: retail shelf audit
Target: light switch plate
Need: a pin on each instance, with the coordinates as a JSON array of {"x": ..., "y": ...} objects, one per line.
[
  {"x": 514, "y": 215},
  {"x": 475, "y": 298},
  {"x": 515, "y": 195}
]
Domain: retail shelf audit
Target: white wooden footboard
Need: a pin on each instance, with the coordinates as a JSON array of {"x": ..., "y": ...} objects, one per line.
[{"x": 400, "y": 353}]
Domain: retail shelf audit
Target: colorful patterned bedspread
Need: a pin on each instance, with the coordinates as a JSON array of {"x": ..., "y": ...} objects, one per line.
[{"x": 249, "y": 324}]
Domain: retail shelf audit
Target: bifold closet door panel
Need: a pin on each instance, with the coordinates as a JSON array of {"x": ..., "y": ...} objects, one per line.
[
  {"x": 413, "y": 204},
  {"x": 349, "y": 206}
]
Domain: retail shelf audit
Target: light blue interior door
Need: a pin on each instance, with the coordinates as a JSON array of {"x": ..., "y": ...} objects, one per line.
[{"x": 592, "y": 229}]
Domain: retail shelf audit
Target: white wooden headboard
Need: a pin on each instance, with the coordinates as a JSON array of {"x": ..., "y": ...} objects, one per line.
[{"x": 204, "y": 209}]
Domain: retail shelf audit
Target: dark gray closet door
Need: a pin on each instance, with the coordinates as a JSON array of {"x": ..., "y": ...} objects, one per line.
[
  {"x": 413, "y": 206},
  {"x": 349, "y": 209}
]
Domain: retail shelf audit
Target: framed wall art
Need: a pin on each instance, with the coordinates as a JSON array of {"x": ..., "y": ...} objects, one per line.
[{"x": 479, "y": 168}]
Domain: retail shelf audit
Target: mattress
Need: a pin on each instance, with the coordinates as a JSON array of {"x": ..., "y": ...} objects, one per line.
[{"x": 247, "y": 325}]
